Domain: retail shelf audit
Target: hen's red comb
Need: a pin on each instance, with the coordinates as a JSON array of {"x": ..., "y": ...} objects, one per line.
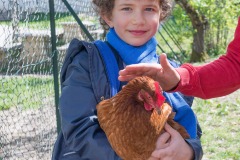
[{"x": 160, "y": 97}]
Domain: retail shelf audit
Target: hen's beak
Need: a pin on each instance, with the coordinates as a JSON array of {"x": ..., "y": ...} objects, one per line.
[{"x": 158, "y": 110}]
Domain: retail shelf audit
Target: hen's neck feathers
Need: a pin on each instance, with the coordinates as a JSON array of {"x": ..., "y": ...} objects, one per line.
[{"x": 129, "y": 93}]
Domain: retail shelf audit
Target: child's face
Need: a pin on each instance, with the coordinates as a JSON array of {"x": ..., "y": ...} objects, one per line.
[{"x": 135, "y": 21}]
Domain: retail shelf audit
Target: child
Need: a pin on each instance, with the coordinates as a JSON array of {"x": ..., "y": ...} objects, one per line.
[
  {"x": 218, "y": 78},
  {"x": 84, "y": 82}
]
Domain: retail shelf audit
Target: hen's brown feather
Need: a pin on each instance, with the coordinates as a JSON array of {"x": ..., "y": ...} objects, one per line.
[{"x": 131, "y": 130}]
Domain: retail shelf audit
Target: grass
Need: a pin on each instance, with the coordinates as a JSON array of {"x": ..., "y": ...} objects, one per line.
[
  {"x": 25, "y": 91},
  {"x": 220, "y": 122},
  {"x": 41, "y": 21}
]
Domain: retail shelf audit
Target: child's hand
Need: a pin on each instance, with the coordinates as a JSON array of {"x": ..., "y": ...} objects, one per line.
[
  {"x": 172, "y": 146},
  {"x": 165, "y": 74},
  {"x": 153, "y": 158}
]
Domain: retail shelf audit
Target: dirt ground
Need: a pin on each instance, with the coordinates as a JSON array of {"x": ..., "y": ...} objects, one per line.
[{"x": 27, "y": 134}]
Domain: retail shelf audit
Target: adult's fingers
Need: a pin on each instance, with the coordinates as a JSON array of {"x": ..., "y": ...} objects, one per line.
[
  {"x": 126, "y": 77},
  {"x": 164, "y": 62}
]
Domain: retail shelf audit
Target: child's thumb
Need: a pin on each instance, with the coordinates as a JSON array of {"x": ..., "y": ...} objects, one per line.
[
  {"x": 164, "y": 62},
  {"x": 169, "y": 129}
]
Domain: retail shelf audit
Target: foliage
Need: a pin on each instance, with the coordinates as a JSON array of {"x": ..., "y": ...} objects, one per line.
[{"x": 222, "y": 18}]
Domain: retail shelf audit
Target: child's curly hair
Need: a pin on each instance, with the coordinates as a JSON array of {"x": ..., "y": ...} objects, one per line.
[{"x": 105, "y": 7}]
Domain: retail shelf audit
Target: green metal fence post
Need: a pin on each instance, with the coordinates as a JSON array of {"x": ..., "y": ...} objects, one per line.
[
  {"x": 54, "y": 61},
  {"x": 78, "y": 20}
]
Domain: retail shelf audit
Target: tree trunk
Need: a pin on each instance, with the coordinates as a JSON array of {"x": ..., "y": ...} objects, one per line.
[
  {"x": 198, "y": 47},
  {"x": 199, "y": 23}
]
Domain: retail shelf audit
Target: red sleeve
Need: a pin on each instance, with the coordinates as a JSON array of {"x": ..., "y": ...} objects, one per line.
[{"x": 218, "y": 78}]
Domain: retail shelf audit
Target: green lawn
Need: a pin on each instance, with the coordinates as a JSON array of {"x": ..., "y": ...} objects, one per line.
[
  {"x": 25, "y": 91},
  {"x": 220, "y": 122}
]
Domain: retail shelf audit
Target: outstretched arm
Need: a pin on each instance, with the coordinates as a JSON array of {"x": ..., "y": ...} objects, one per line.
[{"x": 218, "y": 78}]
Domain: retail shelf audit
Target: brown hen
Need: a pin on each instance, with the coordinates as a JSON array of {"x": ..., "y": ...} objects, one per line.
[{"x": 135, "y": 117}]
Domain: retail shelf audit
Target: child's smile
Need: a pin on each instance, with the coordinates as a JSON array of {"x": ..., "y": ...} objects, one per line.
[{"x": 137, "y": 32}]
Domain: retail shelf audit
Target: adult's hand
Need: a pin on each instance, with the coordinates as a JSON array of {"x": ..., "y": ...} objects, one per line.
[{"x": 165, "y": 74}]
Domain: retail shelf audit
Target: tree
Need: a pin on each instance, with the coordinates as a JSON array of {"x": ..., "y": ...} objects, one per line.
[{"x": 200, "y": 25}]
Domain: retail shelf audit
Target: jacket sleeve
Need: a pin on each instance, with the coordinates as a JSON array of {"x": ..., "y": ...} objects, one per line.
[
  {"x": 197, "y": 148},
  {"x": 82, "y": 134},
  {"x": 196, "y": 144},
  {"x": 218, "y": 78}
]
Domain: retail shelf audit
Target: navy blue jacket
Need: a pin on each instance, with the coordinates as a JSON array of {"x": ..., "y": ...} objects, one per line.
[{"x": 84, "y": 84}]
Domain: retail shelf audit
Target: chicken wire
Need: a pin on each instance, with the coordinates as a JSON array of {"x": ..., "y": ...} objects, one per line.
[{"x": 27, "y": 108}]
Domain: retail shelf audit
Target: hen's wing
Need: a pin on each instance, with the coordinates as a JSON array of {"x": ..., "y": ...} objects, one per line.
[
  {"x": 132, "y": 132},
  {"x": 183, "y": 132}
]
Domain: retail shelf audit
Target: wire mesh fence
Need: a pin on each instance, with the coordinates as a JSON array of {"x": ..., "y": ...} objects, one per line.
[
  {"x": 27, "y": 108},
  {"x": 28, "y": 94}
]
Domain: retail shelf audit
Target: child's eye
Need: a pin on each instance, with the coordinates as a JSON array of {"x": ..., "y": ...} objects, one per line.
[
  {"x": 149, "y": 9},
  {"x": 126, "y": 9}
]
